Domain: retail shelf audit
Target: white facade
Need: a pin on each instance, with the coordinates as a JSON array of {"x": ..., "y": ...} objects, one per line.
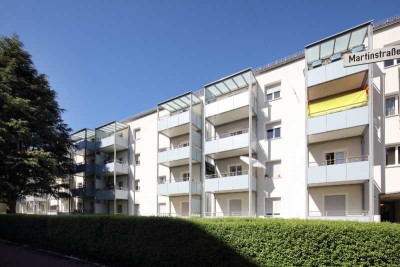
[{"x": 325, "y": 154}]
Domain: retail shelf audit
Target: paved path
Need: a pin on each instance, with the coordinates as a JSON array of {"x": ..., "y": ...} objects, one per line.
[{"x": 13, "y": 255}]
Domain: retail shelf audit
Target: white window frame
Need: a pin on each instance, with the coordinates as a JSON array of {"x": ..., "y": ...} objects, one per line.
[
  {"x": 277, "y": 124},
  {"x": 273, "y": 213},
  {"x": 235, "y": 165},
  {"x": 185, "y": 173},
  {"x": 136, "y": 184},
  {"x": 334, "y": 153},
  {"x": 137, "y": 159},
  {"x": 396, "y": 105},
  {"x": 135, "y": 133},
  {"x": 273, "y": 88}
]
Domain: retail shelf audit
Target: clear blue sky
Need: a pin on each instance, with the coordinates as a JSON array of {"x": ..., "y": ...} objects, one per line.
[{"x": 108, "y": 60}]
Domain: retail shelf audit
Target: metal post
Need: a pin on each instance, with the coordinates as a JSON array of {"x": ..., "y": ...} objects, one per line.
[
  {"x": 190, "y": 154},
  {"x": 371, "y": 130},
  {"x": 115, "y": 165},
  {"x": 307, "y": 208},
  {"x": 84, "y": 173},
  {"x": 131, "y": 181},
  {"x": 158, "y": 174},
  {"x": 203, "y": 157},
  {"x": 250, "y": 148}
]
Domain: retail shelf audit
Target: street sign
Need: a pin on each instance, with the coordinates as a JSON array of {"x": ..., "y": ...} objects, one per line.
[{"x": 372, "y": 56}]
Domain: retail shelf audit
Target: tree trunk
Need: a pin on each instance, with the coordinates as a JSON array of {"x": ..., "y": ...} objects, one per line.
[{"x": 12, "y": 206}]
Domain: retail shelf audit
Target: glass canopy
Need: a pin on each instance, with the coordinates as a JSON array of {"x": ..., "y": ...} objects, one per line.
[
  {"x": 231, "y": 83},
  {"x": 180, "y": 102},
  {"x": 79, "y": 135},
  {"x": 340, "y": 43},
  {"x": 111, "y": 127}
]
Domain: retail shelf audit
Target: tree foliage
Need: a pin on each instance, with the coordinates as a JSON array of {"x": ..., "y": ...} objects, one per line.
[{"x": 34, "y": 140}]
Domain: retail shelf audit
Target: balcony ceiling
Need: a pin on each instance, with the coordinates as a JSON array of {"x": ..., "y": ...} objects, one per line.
[
  {"x": 230, "y": 153},
  {"x": 177, "y": 131},
  {"x": 337, "y": 183},
  {"x": 230, "y": 116},
  {"x": 335, "y": 135},
  {"x": 177, "y": 163},
  {"x": 110, "y": 148},
  {"x": 347, "y": 83}
]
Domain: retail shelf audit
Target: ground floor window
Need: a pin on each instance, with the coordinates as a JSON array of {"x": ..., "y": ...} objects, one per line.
[
  {"x": 235, "y": 207},
  {"x": 273, "y": 206},
  {"x": 119, "y": 208},
  {"x": 185, "y": 209},
  {"x": 335, "y": 205}
]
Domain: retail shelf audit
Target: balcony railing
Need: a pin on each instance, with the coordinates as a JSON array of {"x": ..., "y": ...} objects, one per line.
[
  {"x": 225, "y": 135},
  {"x": 173, "y": 147},
  {"x": 183, "y": 215},
  {"x": 181, "y": 179},
  {"x": 226, "y": 214},
  {"x": 338, "y": 213},
  {"x": 337, "y": 161},
  {"x": 338, "y": 109},
  {"x": 227, "y": 174}
]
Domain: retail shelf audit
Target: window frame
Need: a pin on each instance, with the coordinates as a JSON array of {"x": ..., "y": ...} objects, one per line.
[
  {"x": 275, "y": 125},
  {"x": 135, "y": 138},
  {"x": 273, "y": 162},
  {"x": 273, "y": 214},
  {"x": 271, "y": 89}
]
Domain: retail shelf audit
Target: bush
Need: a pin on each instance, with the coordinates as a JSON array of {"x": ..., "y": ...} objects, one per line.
[{"x": 153, "y": 241}]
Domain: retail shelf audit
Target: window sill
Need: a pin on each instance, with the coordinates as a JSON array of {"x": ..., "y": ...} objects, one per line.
[
  {"x": 392, "y": 166},
  {"x": 272, "y": 100},
  {"x": 390, "y": 116},
  {"x": 277, "y": 138}
]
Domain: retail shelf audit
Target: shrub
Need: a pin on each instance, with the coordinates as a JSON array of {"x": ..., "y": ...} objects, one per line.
[{"x": 153, "y": 241}]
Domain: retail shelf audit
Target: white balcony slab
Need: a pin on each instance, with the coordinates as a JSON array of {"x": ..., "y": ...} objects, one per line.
[
  {"x": 338, "y": 173},
  {"x": 342, "y": 120},
  {"x": 228, "y": 143},
  {"x": 107, "y": 143},
  {"x": 230, "y": 184},
  {"x": 120, "y": 168},
  {"x": 332, "y": 71},
  {"x": 178, "y": 188},
  {"x": 166, "y": 124}
]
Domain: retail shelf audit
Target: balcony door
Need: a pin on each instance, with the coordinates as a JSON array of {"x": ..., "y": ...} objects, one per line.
[
  {"x": 335, "y": 158},
  {"x": 235, "y": 170},
  {"x": 335, "y": 205},
  {"x": 235, "y": 207},
  {"x": 185, "y": 209}
]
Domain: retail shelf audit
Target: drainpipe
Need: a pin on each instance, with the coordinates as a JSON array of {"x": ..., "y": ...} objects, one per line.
[
  {"x": 371, "y": 130},
  {"x": 250, "y": 132},
  {"x": 115, "y": 165},
  {"x": 190, "y": 155}
]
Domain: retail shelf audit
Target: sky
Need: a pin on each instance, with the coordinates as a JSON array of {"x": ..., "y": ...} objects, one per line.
[{"x": 108, "y": 60}]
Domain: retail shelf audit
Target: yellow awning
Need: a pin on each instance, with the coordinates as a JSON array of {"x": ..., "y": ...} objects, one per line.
[{"x": 337, "y": 103}]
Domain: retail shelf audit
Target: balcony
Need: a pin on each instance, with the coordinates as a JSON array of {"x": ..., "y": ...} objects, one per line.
[
  {"x": 334, "y": 172},
  {"x": 32, "y": 198},
  {"x": 84, "y": 147},
  {"x": 228, "y": 145},
  {"x": 334, "y": 71},
  {"x": 82, "y": 169},
  {"x": 345, "y": 215},
  {"x": 107, "y": 144},
  {"x": 178, "y": 187},
  {"x": 176, "y": 124},
  {"x": 338, "y": 125},
  {"x": 82, "y": 192},
  {"x": 179, "y": 155},
  {"x": 112, "y": 193},
  {"x": 120, "y": 167},
  {"x": 229, "y": 182},
  {"x": 229, "y": 107}
]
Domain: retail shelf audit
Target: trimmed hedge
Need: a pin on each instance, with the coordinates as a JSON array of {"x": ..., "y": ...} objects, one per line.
[{"x": 153, "y": 241}]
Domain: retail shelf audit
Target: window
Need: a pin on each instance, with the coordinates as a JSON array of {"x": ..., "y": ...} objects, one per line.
[
  {"x": 137, "y": 185},
  {"x": 162, "y": 208},
  {"x": 235, "y": 207},
  {"x": 272, "y": 92},
  {"x": 391, "y": 62},
  {"x": 273, "y": 169},
  {"x": 137, "y": 159},
  {"x": 185, "y": 209},
  {"x": 390, "y": 106},
  {"x": 119, "y": 208},
  {"x": 136, "y": 134},
  {"x": 162, "y": 179},
  {"x": 120, "y": 184},
  {"x": 335, "y": 158},
  {"x": 390, "y": 155},
  {"x": 185, "y": 176},
  {"x": 273, "y": 131},
  {"x": 235, "y": 170},
  {"x": 80, "y": 185},
  {"x": 137, "y": 209},
  {"x": 273, "y": 206},
  {"x": 335, "y": 205}
]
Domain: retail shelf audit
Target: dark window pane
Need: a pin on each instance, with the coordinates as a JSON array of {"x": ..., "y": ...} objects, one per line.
[
  {"x": 277, "y": 132},
  {"x": 277, "y": 94},
  {"x": 390, "y": 156},
  {"x": 389, "y": 62},
  {"x": 270, "y": 134}
]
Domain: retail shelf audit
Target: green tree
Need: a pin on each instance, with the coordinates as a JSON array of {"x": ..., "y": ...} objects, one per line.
[{"x": 34, "y": 140}]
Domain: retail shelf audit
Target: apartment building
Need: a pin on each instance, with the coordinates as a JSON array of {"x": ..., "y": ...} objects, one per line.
[{"x": 303, "y": 137}]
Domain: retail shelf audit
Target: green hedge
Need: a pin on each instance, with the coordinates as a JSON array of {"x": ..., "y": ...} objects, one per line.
[{"x": 152, "y": 241}]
